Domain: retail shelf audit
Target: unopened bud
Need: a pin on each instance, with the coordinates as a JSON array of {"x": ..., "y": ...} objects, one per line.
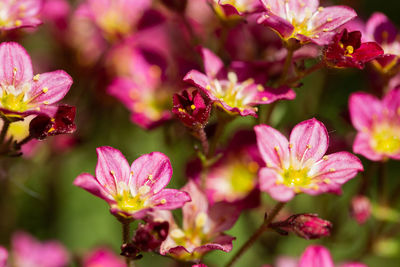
[{"x": 360, "y": 209}]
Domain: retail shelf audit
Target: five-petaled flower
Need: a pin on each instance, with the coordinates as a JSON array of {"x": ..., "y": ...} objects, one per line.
[
  {"x": 132, "y": 191},
  {"x": 21, "y": 92},
  {"x": 346, "y": 50},
  {"x": 378, "y": 125},
  {"x": 225, "y": 89},
  {"x": 202, "y": 227},
  {"x": 304, "y": 20},
  {"x": 300, "y": 164},
  {"x": 19, "y": 14}
]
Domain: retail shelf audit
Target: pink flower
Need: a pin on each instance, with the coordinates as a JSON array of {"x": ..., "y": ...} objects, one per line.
[
  {"x": 19, "y": 14},
  {"x": 132, "y": 191},
  {"x": 226, "y": 90},
  {"x": 228, "y": 8},
  {"x": 144, "y": 93},
  {"x": 103, "y": 257},
  {"x": 378, "y": 125},
  {"x": 304, "y": 20},
  {"x": 300, "y": 164},
  {"x": 319, "y": 256},
  {"x": 346, "y": 50},
  {"x": 201, "y": 230},
  {"x": 361, "y": 208},
  {"x": 21, "y": 92},
  {"x": 27, "y": 251},
  {"x": 381, "y": 30},
  {"x": 3, "y": 257}
]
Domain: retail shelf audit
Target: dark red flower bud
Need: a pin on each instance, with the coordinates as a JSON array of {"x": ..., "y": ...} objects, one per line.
[
  {"x": 305, "y": 225},
  {"x": 193, "y": 109},
  {"x": 62, "y": 123},
  {"x": 360, "y": 209},
  {"x": 130, "y": 251},
  {"x": 347, "y": 51},
  {"x": 149, "y": 236}
]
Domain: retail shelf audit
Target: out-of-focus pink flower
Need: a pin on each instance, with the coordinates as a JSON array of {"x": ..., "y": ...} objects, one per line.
[
  {"x": 21, "y": 92},
  {"x": 27, "y": 251},
  {"x": 56, "y": 12},
  {"x": 381, "y": 30},
  {"x": 192, "y": 108},
  {"x": 360, "y": 209},
  {"x": 19, "y": 14},
  {"x": 199, "y": 265},
  {"x": 3, "y": 257},
  {"x": 132, "y": 191},
  {"x": 306, "y": 225},
  {"x": 300, "y": 164},
  {"x": 202, "y": 227},
  {"x": 228, "y": 8},
  {"x": 233, "y": 178},
  {"x": 103, "y": 257},
  {"x": 378, "y": 125},
  {"x": 225, "y": 89},
  {"x": 144, "y": 93},
  {"x": 304, "y": 20},
  {"x": 346, "y": 50}
]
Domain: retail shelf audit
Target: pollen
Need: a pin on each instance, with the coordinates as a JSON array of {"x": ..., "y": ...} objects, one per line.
[
  {"x": 36, "y": 77},
  {"x": 350, "y": 49},
  {"x": 260, "y": 88},
  {"x": 276, "y": 148},
  {"x": 208, "y": 87},
  {"x": 46, "y": 102},
  {"x": 332, "y": 169},
  {"x": 181, "y": 110},
  {"x": 112, "y": 172},
  {"x": 150, "y": 177},
  {"x": 264, "y": 98},
  {"x": 308, "y": 146},
  {"x": 18, "y": 23},
  {"x": 45, "y": 89},
  {"x": 327, "y": 181},
  {"x": 315, "y": 187},
  {"x": 163, "y": 201},
  {"x": 325, "y": 30},
  {"x": 329, "y": 19},
  {"x": 193, "y": 107},
  {"x": 325, "y": 157},
  {"x": 320, "y": 9}
]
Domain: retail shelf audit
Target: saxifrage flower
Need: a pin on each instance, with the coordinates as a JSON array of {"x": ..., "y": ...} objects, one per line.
[
  {"x": 225, "y": 89},
  {"x": 21, "y": 92},
  {"x": 304, "y": 20},
  {"x": 378, "y": 125},
  {"x": 19, "y": 14},
  {"x": 132, "y": 191},
  {"x": 300, "y": 164}
]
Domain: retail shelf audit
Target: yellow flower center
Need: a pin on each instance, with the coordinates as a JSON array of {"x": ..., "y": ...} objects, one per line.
[
  {"x": 128, "y": 202},
  {"x": 386, "y": 139},
  {"x": 243, "y": 177}
]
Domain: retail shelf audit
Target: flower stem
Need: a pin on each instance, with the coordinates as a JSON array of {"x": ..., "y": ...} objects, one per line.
[
  {"x": 125, "y": 239},
  {"x": 203, "y": 139},
  {"x": 287, "y": 65},
  {"x": 305, "y": 73},
  {"x": 264, "y": 226},
  {"x": 4, "y": 130},
  {"x": 223, "y": 120}
]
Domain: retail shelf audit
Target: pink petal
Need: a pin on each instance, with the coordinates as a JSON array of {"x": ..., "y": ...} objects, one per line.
[
  {"x": 316, "y": 256},
  {"x": 14, "y": 59},
  {"x": 268, "y": 184},
  {"x": 198, "y": 79},
  {"x": 362, "y": 108},
  {"x": 362, "y": 146},
  {"x": 122, "y": 89},
  {"x": 392, "y": 101},
  {"x": 57, "y": 84},
  {"x": 275, "y": 6},
  {"x": 309, "y": 140},
  {"x": 273, "y": 146},
  {"x": 3, "y": 257},
  {"x": 331, "y": 18},
  {"x": 223, "y": 216},
  {"x": 338, "y": 167},
  {"x": 278, "y": 24},
  {"x": 90, "y": 184},
  {"x": 173, "y": 199},
  {"x": 221, "y": 242},
  {"x": 111, "y": 167},
  {"x": 213, "y": 65},
  {"x": 153, "y": 169},
  {"x": 367, "y": 51},
  {"x": 270, "y": 95},
  {"x": 379, "y": 23},
  {"x": 198, "y": 204}
]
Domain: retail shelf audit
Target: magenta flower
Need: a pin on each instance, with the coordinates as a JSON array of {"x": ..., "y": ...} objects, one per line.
[
  {"x": 319, "y": 256},
  {"x": 103, "y": 257},
  {"x": 19, "y": 14},
  {"x": 361, "y": 208},
  {"x": 28, "y": 251},
  {"x": 21, "y": 92},
  {"x": 381, "y": 30},
  {"x": 300, "y": 164},
  {"x": 201, "y": 230},
  {"x": 304, "y": 20},
  {"x": 3, "y": 257},
  {"x": 148, "y": 237},
  {"x": 132, "y": 191},
  {"x": 144, "y": 93},
  {"x": 346, "y": 50},
  {"x": 228, "y": 8},
  {"x": 226, "y": 90},
  {"x": 378, "y": 125}
]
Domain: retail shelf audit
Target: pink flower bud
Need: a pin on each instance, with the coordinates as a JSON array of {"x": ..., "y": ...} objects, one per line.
[{"x": 360, "y": 209}]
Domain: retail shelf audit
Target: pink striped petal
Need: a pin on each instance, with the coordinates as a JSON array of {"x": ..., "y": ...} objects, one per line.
[
  {"x": 112, "y": 167},
  {"x": 363, "y": 107},
  {"x": 213, "y": 65},
  {"x": 316, "y": 256},
  {"x": 309, "y": 140},
  {"x": 51, "y": 87},
  {"x": 277, "y": 23},
  {"x": 198, "y": 79},
  {"x": 15, "y": 64},
  {"x": 169, "y": 199},
  {"x": 268, "y": 184},
  {"x": 90, "y": 184},
  {"x": 362, "y": 146},
  {"x": 331, "y": 18},
  {"x": 198, "y": 204},
  {"x": 273, "y": 146},
  {"x": 153, "y": 169},
  {"x": 392, "y": 101}
]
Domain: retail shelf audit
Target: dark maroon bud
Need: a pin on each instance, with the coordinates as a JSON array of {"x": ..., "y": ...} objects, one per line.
[{"x": 149, "y": 236}]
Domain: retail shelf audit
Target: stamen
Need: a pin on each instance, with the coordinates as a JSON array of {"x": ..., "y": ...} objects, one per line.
[
  {"x": 177, "y": 234},
  {"x": 36, "y": 77}
]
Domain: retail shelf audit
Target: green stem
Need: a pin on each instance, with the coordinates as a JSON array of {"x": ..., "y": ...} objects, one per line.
[
  {"x": 264, "y": 226},
  {"x": 382, "y": 184},
  {"x": 223, "y": 120},
  {"x": 6, "y": 125},
  {"x": 125, "y": 239},
  {"x": 287, "y": 65},
  {"x": 305, "y": 73}
]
